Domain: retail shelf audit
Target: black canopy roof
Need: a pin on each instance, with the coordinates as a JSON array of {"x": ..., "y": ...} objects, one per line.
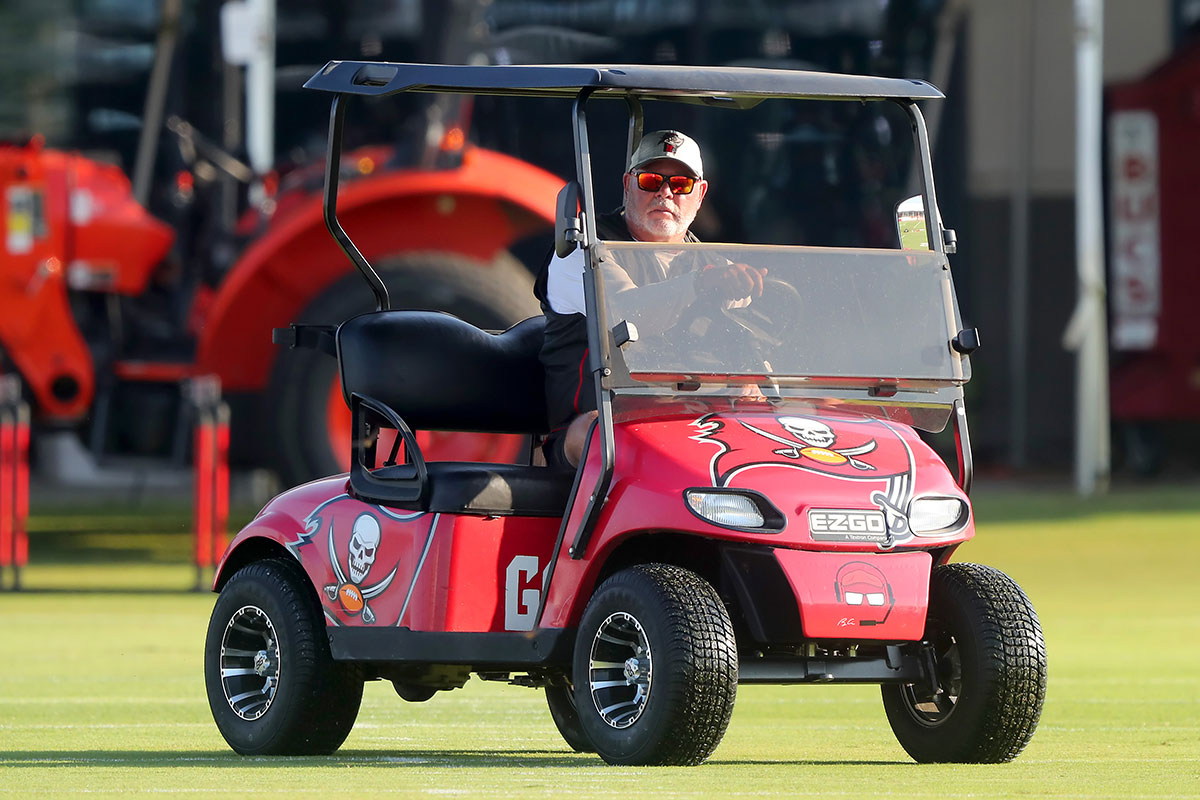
[{"x": 737, "y": 86}]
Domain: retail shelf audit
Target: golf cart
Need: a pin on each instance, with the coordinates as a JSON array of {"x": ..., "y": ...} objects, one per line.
[{"x": 755, "y": 504}]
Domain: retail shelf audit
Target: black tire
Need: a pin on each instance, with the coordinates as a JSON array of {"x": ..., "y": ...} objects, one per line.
[
  {"x": 273, "y": 687},
  {"x": 491, "y": 296},
  {"x": 655, "y": 667},
  {"x": 990, "y": 660},
  {"x": 560, "y": 697}
]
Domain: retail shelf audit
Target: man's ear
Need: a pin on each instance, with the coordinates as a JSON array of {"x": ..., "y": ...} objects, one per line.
[{"x": 702, "y": 186}]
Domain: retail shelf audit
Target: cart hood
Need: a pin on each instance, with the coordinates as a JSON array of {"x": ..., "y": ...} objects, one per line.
[{"x": 837, "y": 480}]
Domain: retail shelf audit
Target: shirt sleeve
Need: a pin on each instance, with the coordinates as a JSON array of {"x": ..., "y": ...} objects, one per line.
[
  {"x": 654, "y": 307},
  {"x": 564, "y": 284}
]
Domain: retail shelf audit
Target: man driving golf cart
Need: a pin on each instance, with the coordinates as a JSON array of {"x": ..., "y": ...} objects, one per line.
[{"x": 663, "y": 190}]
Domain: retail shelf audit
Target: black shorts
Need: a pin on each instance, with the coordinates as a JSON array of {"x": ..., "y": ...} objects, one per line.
[{"x": 569, "y": 390}]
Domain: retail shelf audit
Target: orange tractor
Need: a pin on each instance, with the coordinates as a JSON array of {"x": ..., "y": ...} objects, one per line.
[{"x": 102, "y": 316}]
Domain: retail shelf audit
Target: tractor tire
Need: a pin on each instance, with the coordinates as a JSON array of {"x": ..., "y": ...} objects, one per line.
[
  {"x": 304, "y": 382},
  {"x": 989, "y": 659},
  {"x": 273, "y": 687},
  {"x": 655, "y": 667}
]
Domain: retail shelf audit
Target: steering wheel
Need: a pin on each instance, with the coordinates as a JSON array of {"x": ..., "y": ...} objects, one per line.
[
  {"x": 714, "y": 332},
  {"x": 771, "y": 317}
]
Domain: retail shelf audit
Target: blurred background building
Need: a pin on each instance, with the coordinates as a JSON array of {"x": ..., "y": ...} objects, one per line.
[{"x": 77, "y": 72}]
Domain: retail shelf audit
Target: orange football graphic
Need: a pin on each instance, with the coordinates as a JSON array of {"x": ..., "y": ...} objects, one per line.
[{"x": 350, "y": 597}]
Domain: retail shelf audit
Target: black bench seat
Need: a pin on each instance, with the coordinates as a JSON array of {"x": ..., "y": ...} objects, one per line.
[{"x": 427, "y": 370}]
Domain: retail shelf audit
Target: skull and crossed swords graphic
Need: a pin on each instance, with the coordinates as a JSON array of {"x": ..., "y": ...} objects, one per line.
[
  {"x": 361, "y": 553},
  {"x": 815, "y": 440}
]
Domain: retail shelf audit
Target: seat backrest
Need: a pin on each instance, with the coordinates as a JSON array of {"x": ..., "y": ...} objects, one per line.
[{"x": 441, "y": 373}]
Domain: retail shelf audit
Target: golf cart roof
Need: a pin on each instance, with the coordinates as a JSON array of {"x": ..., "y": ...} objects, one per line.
[{"x": 733, "y": 86}]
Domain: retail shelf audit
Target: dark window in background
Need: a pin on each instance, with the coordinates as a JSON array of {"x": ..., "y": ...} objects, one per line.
[
  {"x": 809, "y": 177},
  {"x": 1185, "y": 20}
]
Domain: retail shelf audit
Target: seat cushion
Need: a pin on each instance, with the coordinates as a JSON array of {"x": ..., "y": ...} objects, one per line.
[{"x": 461, "y": 487}]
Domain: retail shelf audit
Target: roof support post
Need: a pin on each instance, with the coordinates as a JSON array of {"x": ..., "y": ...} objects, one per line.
[{"x": 333, "y": 164}]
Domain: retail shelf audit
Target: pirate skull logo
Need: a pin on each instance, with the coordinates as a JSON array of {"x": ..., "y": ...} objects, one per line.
[
  {"x": 813, "y": 440},
  {"x": 837, "y": 446},
  {"x": 809, "y": 431},
  {"x": 671, "y": 141},
  {"x": 361, "y": 552},
  {"x": 364, "y": 542}
]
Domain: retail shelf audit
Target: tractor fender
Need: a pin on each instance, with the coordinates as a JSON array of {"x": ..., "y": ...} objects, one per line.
[
  {"x": 70, "y": 223},
  {"x": 476, "y": 210}
]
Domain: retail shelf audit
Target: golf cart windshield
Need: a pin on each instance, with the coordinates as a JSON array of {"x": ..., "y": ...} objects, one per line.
[{"x": 848, "y": 317}]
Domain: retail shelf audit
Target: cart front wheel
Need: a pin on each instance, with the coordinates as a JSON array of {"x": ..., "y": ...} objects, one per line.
[
  {"x": 987, "y": 658},
  {"x": 273, "y": 687},
  {"x": 655, "y": 668}
]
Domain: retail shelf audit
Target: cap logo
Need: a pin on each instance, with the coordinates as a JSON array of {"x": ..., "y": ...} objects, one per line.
[{"x": 671, "y": 141}]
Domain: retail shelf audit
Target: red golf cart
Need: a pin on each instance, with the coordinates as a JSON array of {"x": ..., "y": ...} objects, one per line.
[{"x": 755, "y": 504}]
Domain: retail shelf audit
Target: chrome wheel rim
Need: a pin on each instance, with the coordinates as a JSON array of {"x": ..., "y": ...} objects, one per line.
[
  {"x": 620, "y": 670},
  {"x": 250, "y": 663}
]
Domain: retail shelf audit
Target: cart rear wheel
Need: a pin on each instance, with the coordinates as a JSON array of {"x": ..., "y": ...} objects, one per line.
[
  {"x": 655, "y": 667},
  {"x": 273, "y": 687},
  {"x": 309, "y": 420},
  {"x": 989, "y": 658}
]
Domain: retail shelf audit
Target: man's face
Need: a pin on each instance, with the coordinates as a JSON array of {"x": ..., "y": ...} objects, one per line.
[{"x": 661, "y": 216}]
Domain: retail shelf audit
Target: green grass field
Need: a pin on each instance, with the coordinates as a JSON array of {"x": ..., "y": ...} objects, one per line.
[
  {"x": 913, "y": 235},
  {"x": 102, "y": 692}
]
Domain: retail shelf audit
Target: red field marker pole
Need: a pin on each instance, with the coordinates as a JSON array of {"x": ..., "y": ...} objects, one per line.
[
  {"x": 7, "y": 487},
  {"x": 211, "y": 482},
  {"x": 220, "y": 480},
  {"x": 14, "y": 479},
  {"x": 21, "y": 501},
  {"x": 202, "y": 498}
]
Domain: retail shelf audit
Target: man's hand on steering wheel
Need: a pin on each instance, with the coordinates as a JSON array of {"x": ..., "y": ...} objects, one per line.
[{"x": 731, "y": 281}]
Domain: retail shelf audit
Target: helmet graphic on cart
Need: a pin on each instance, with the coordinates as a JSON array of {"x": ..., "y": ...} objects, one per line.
[{"x": 864, "y": 587}]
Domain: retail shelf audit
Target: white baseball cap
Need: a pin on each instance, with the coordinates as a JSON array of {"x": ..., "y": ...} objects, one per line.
[{"x": 669, "y": 144}]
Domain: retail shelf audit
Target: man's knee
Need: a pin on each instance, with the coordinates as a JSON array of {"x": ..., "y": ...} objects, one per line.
[{"x": 576, "y": 438}]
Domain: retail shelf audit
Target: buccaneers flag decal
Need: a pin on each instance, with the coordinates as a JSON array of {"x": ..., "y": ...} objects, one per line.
[{"x": 845, "y": 449}]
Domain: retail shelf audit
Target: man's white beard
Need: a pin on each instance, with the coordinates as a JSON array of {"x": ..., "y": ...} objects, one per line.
[{"x": 666, "y": 227}]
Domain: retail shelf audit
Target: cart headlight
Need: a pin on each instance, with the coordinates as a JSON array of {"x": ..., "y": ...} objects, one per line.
[
  {"x": 934, "y": 515},
  {"x": 734, "y": 509}
]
